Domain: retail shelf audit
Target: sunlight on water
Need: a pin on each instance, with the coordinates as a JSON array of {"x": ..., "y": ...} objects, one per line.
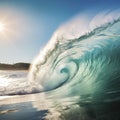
[{"x": 4, "y": 82}]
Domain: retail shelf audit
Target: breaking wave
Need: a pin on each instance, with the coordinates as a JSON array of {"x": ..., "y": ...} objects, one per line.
[
  {"x": 80, "y": 66},
  {"x": 83, "y": 63},
  {"x": 81, "y": 59}
]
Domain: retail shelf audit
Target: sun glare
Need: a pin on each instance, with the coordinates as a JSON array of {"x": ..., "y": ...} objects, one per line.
[{"x": 2, "y": 27}]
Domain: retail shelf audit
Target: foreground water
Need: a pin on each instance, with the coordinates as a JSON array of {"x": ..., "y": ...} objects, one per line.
[
  {"x": 35, "y": 107},
  {"x": 40, "y": 107},
  {"x": 20, "y": 107}
]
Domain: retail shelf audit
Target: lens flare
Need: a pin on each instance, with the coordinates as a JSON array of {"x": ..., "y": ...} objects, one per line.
[{"x": 2, "y": 27}]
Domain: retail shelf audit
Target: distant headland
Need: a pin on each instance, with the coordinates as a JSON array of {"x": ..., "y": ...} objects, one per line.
[{"x": 16, "y": 66}]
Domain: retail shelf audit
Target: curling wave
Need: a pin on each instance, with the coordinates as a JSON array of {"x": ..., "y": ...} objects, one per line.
[
  {"x": 82, "y": 59},
  {"x": 85, "y": 66},
  {"x": 78, "y": 71}
]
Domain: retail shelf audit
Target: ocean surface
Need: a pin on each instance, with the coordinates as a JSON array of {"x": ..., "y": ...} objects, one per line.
[
  {"x": 38, "y": 106},
  {"x": 75, "y": 77}
]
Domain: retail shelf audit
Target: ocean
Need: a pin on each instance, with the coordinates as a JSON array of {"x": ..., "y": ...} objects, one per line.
[{"x": 75, "y": 77}]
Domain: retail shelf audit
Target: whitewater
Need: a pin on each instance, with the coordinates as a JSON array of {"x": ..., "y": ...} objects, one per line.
[{"x": 80, "y": 66}]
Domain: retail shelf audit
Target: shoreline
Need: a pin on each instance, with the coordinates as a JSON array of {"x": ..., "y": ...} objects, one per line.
[{"x": 16, "y": 66}]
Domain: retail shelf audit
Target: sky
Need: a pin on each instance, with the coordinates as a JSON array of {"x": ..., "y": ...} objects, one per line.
[{"x": 29, "y": 24}]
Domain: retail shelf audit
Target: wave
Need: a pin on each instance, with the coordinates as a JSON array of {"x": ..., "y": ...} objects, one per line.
[
  {"x": 80, "y": 73},
  {"x": 80, "y": 66},
  {"x": 83, "y": 66},
  {"x": 81, "y": 59}
]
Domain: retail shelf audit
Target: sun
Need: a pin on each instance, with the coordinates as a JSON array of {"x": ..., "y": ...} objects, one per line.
[{"x": 2, "y": 27}]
